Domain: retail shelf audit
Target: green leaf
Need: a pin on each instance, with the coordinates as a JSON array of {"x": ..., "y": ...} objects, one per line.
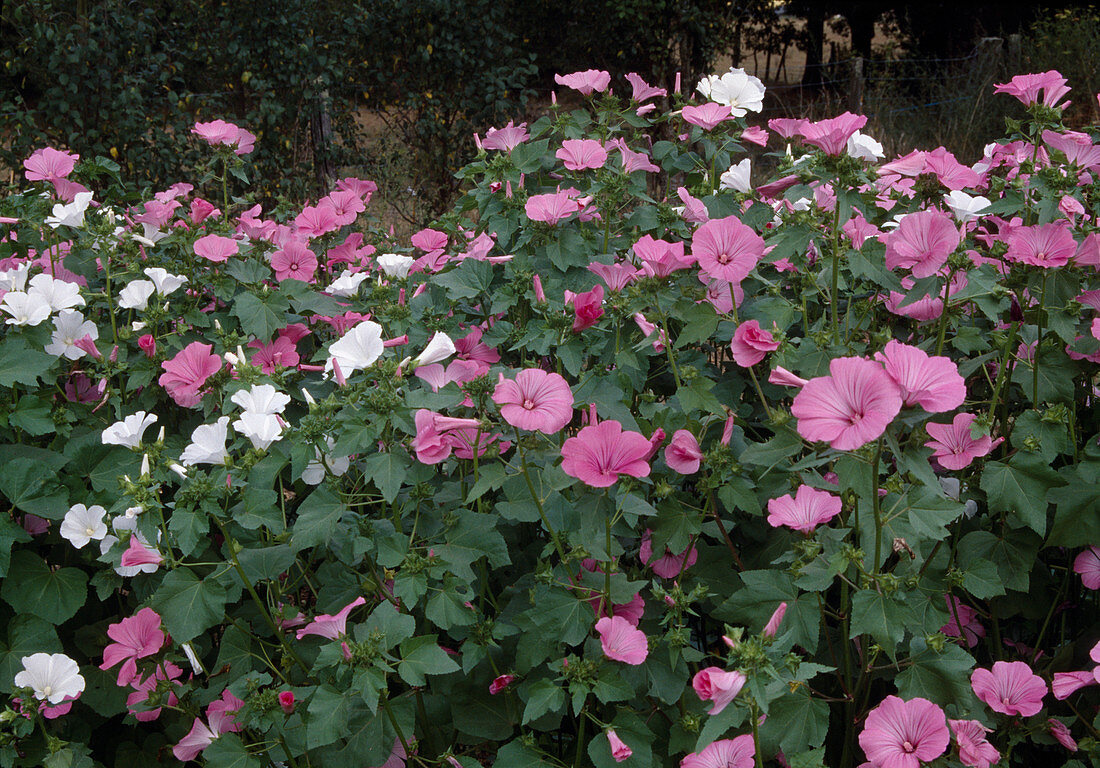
[
  {"x": 1076, "y": 523},
  {"x": 880, "y": 616},
  {"x": 543, "y": 696},
  {"x": 265, "y": 563},
  {"x": 446, "y": 609},
  {"x": 393, "y": 626},
  {"x": 32, "y": 415},
  {"x": 32, "y": 486},
  {"x": 261, "y": 315},
  {"x": 228, "y": 751},
  {"x": 189, "y": 526},
  {"x": 33, "y": 587},
  {"x": 329, "y": 711},
  {"x": 26, "y": 634},
  {"x": 10, "y": 533},
  {"x": 561, "y": 615},
  {"x": 473, "y": 536},
  {"x": 388, "y": 471},
  {"x": 517, "y": 755},
  {"x": 468, "y": 280},
  {"x": 422, "y": 656},
  {"x": 318, "y": 517},
  {"x": 800, "y": 722},
  {"x": 189, "y": 605},
  {"x": 763, "y": 591},
  {"x": 700, "y": 323},
  {"x": 982, "y": 579},
  {"x": 930, "y": 513},
  {"x": 1021, "y": 487},
  {"x": 21, "y": 365},
  {"x": 942, "y": 677}
]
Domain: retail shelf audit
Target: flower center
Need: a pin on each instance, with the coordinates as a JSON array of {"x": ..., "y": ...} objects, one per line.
[
  {"x": 723, "y": 258},
  {"x": 528, "y": 404},
  {"x": 89, "y": 531},
  {"x": 908, "y": 746},
  {"x": 47, "y": 690}
]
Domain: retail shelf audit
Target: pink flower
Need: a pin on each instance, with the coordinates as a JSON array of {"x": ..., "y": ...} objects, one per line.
[
  {"x": 1061, "y": 734},
  {"x": 331, "y": 626},
  {"x": 619, "y": 750},
  {"x": 633, "y": 161},
  {"x": 808, "y": 509},
  {"x": 507, "y": 138},
  {"x": 683, "y": 454},
  {"x": 552, "y": 207},
  {"x": 582, "y": 154},
  {"x": 717, "y": 685},
  {"x": 831, "y": 136},
  {"x": 1044, "y": 245},
  {"x": 933, "y": 383},
  {"x": 902, "y": 734},
  {"x": 972, "y": 629},
  {"x": 437, "y": 436},
  {"x": 134, "y": 638},
  {"x": 345, "y": 206},
  {"x": 286, "y": 701},
  {"x": 139, "y": 554},
  {"x": 220, "y": 132},
  {"x": 754, "y": 134},
  {"x": 695, "y": 211},
  {"x": 1065, "y": 684},
  {"x": 726, "y": 249},
  {"x": 294, "y": 261},
  {"x": 49, "y": 164},
  {"x": 922, "y": 242},
  {"x": 281, "y": 352},
  {"x": 587, "y": 308},
  {"x": 201, "y": 210},
  {"x": 785, "y": 378},
  {"x": 1026, "y": 88},
  {"x": 185, "y": 374},
  {"x": 148, "y": 345},
  {"x": 659, "y": 257},
  {"x": 724, "y": 753},
  {"x": 952, "y": 444},
  {"x": 500, "y": 683},
  {"x": 587, "y": 82},
  {"x": 668, "y": 565},
  {"x": 535, "y": 400},
  {"x": 316, "y": 220},
  {"x": 974, "y": 750},
  {"x": 1010, "y": 688},
  {"x": 220, "y": 716},
  {"x": 216, "y": 248},
  {"x": 707, "y": 116},
  {"x": 1087, "y": 564},
  {"x": 772, "y": 627},
  {"x": 642, "y": 91},
  {"x": 617, "y": 275},
  {"x": 143, "y": 689},
  {"x": 848, "y": 408},
  {"x": 621, "y": 640},
  {"x": 601, "y": 452},
  {"x": 751, "y": 343}
]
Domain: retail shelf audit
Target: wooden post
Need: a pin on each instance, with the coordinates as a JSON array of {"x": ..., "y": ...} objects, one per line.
[
  {"x": 1014, "y": 55},
  {"x": 855, "y": 85}
]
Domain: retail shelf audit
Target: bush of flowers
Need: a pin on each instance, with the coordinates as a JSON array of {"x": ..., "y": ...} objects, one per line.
[{"x": 635, "y": 458}]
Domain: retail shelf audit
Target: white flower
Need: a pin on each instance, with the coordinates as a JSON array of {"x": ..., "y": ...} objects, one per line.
[
  {"x": 347, "y": 284},
  {"x": 82, "y": 524},
  {"x": 189, "y": 652},
  {"x": 801, "y": 204},
  {"x": 129, "y": 431},
  {"x": 70, "y": 325},
  {"x": 439, "y": 348},
  {"x": 863, "y": 147},
  {"x": 59, "y": 294},
  {"x": 71, "y": 215},
  {"x": 164, "y": 280},
  {"x": 737, "y": 177},
  {"x": 128, "y": 522},
  {"x": 964, "y": 206},
  {"x": 735, "y": 89},
  {"x": 132, "y": 512},
  {"x": 262, "y": 398},
  {"x": 262, "y": 429},
  {"x": 136, "y": 294},
  {"x": 24, "y": 308},
  {"x": 394, "y": 264},
  {"x": 358, "y": 349},
  {"x": 152, "y": 235},
  {"x": 207, "y": 444},
  {"x": 315, "y": 471},
  {"x": 54, "y": 677},
  {"x": 14, "y": 279}
]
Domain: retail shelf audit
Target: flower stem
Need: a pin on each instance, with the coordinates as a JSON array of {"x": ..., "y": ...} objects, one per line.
[
  {"x": 1040, "y": 315},
  {"x": 943, "y": 314},
  {"x": 876, "y": 507},
  {"x": 536, "y": 499}
]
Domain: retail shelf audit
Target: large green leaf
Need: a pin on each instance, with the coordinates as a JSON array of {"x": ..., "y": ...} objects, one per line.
[
  {"x": 189, "y": 605},
  {"x": 1021, "y": 487},
  {"x": 31, "y": 586},
  {"x": 939, "y": 676},
  {"x": 422, "y": 656},
  {"x": 25, "y": 634},
  {"x": 318, "y": 516}
]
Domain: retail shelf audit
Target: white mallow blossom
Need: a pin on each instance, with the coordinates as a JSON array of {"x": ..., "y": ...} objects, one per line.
[
  {"x": 71, "y": 214},
  {"x": 151, "y": 235},
  {"x": 59, "y": 294},
  {"x": 129, "y": 431},
  {"x": 261, "y": 398},
  {"x": 53, "y": 677},
  {"x": 964, "y": 206},
  {"x": 70, "y": 325},
  {"x": 207, "y": 444},
  {"x": 25, "y": 308},
  {"x": 315, "y": 471},
  {"x": 395, "y": 264},
  {"x": 136, "y": 294},
  {"x": 863, "y": 147},
  {"x": 164, "y": 280},
  {"x": 358, "y": 349},
  {"x": 737, "y": 177},
  {"x": 347, "y": 284},
  {"x": 439, "y": 348},
  {"x": 82, "y": 524},
  {"x": 262, "y": 429},
  {"x": 14, "y": 279},
  {"x": 736, "y": 89}
]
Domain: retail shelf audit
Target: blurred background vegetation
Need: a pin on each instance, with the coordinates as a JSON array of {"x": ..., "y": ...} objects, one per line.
[{"x": 392, "y": 90}]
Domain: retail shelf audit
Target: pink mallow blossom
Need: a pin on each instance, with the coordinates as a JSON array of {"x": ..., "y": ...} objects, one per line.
[
  {"x": 134, "y": 638},
  {"x": 1010, "y": 688},
  {"x": 751, "y": 343},
  {"x": 806, "y": 510},
  {"x": 186, "y": 373},
  {"x": 716, "y": 685},
  {"x": 1087, "y": 565},
  {"x": 220, "y": 715},
  {"x": 850, "y": 407},
  {"x": 931, "y": 382},
  {"x": 903, "y": 734},
  {"x": 738, "y": 752},
  {"x": 587, "y": 82},
  {"x": 668, "y": 565},
  {"x": 622, "y": 641},
  {"x": 726, "y": 249},
  {"x": 953, "y": 445},
  {"x": 535, "y": 400},
  {"x": 216, "y": 248},
  {"x": 619, "y": 749},
  {"x": 683, "y": 453},
  {"x": 602, "y": 451},
  {"x": 1026, "y": 88},
  {"x": 974, "y": 750},
  {"x": 294, "y": 261},
  {"x": 331, "y": 626},
  {"x": 922, "y": 242},
  {"x": 587, "y": 308},
  {"x": 582, "y": 154},
  {"x": 1042, "y": 245},
  {"x": 972, "y": 628}
]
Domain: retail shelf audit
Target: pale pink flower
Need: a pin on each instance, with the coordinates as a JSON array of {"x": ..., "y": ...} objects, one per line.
[
  {"x": 974, "y": 750},
  {"x": 1043, "y": 245},
  {"x": 331, "y": 626},
  {"x": 186, "y": 373},
  {"x": 1010, "y": 688},
  {"x": 552, "y": 207},
  {"x": 642, "y": 91},
  {"x": 707, "y": 116},
  {"x": 805, "y": 511},
  {"x": 535, "y": 400},
  {"x": 785, "y": 378},
  {"x": 726, "y": 249},
  {"x": 621, "y": 640},
  {"x": 903, "y": 734},
  {"x": 601, "y": 452},
  {"x": 216, "y": 248},
  {"x": 694, "y": 211},
  {"x": 316, "y": 220},
  {"x": 1026, "y": 88},
  {"x": 218, "y": 132},
  {"x": 437, "y": 436},
  {"x": 952, "y": 444},
  {"x": 831, "y": 136},
  {"x": 1061, "y": 734},
  {"x": 648, "y": 329},
  {"x": 619, "y": 750},
  {"x": 582, "y": 154},
  {"x": 738, "y": 752},
  {"x": 933, "y": 383},
  {"x": 49, "y": 164},
  {"x": 1087, "y": 564},
  {"x": 1065, "y": 684},
  {"x": 634, "y": 161},
  {"x": 754, "y": 134},
  {"x": 294, "y": 261},
  {"x": 751, "y": 343},
  {"x": 668, "y": 565},
  {"x": 345, "y": 206},
  {"x": 683, "y": 453},
  {"x": 617, "y": 275},
  {"x": 848, "y": 408},
  {"x": 716, "y": 685},
  {"x": 143, "y": 687},
  {"x": 587, "y": 308},
  {"x": 220, "y": 715},
  {"x": 138, "y": 554},
  {"x": 587, "y": 82},
  {"x": 661, "y": 258},
  {"x": 922, "y": 242},
  {"x": 134, "y": 638},
  {"x": 772, "y": 627},
  {"x": 507, "y": 138},
  {"x": 972, "y": 628}
]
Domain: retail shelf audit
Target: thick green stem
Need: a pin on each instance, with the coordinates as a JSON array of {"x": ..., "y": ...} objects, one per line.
[
  {"x": 537, "y": 500},
  {"x": 754, "y": 722},
  {"x": 836, "y": 272},
  {"x": 1002, "y": 371},
  {"x": 943, "y": 314},
  {"x": 876, "y": 507}
]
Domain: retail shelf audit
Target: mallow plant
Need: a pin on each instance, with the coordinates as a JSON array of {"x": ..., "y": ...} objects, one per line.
[{"x": 636, "y": 457}]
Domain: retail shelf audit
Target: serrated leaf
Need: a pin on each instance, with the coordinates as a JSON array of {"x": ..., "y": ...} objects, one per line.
[
  {"x": 318, "y": 517},
  {"x": 1021, "y": 487},
  {"x": 543, "y": 696},
  {"x": 422, "y": 656},
  {"x": 880, "y": 616},
  {"x": 189, "y": 605},
  {"x": 33, "y": 587},
  {"x": 941, "y": 677},
  {"x": 388, "y": 471}
]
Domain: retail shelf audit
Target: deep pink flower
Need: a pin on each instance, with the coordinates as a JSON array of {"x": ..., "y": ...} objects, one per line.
[
  {"x": 926, "y": 308},
  {"x": 952, "y": 444},
  {"x": 619, "y": 750},
  {"x": 286, "y": 701},
  {"x": 933, "y": 383},
  {"x": 850, "y": 407},
  {"x": 201, "y": 210},
  {"x": 587, "y": 82},
  {"x": 1065, "y": 684},
  {"x": 726, "y": 249},
  {"x": 49, "y": 164},
  {"x": 316, "y": 220},
  {"x": 148, "y": 345},
  {"x": 738, "y": 752},
  {"x": 601, "y": 452},
  {"x": 437, "y": 436},
  {"x": 471, "y": 348},
  {"x": 535, "y": 400},
  {"x": 220, "y": 715},
  {"x": 582, "y": 154},
  {"x": 785, "y": 378},
  {"x": 1043, "y": 245},
  {"x": 751, "y": 343},
  {"x": 1087, "y": 564},
  {"x": 134, "y": 638},
  {"x": 587, "y": 308},
  {"x": 972, "y": 628},
  {"x": 717, "y": 685},
  {"x": 185, "y": 374},
  {"x": 806, "y": 510},
  {"x": 220, "y": 132},
  {"x": 617, "y": 275},
  {"x": 331, "y": 626},
  {"x": 1061, "y": 734},
  {"x": 903, "y": 734},
  {"x": 668, "y": 565},
  {"x": 631, "y": 160},
  {"x": 142, "y": 689},
  {"x": 831, "y": 136},
  {"x": 552, "y": 207},
  {"x": 294, "y": 261},
  {"x": 1026, "y": 88},
  {"x": 772, "y": 627},
  {"x": 922, "y": 242},
  {"x": 621, "y": 640},
  {"x": 500, "y": 683},
  {"x": 216, "y": 248},
  {"x": 974, "y": 750},
  {"x": 707, "y": 116},
  {"x": 683, "y": 453},
  {"x": 507, "y": 138},
  {"x": 661, "y": 258},
  {"x": 344, "y": 204},
  {"x": 279, "y": 353},
  {"x": 1010, "y": 688}
]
